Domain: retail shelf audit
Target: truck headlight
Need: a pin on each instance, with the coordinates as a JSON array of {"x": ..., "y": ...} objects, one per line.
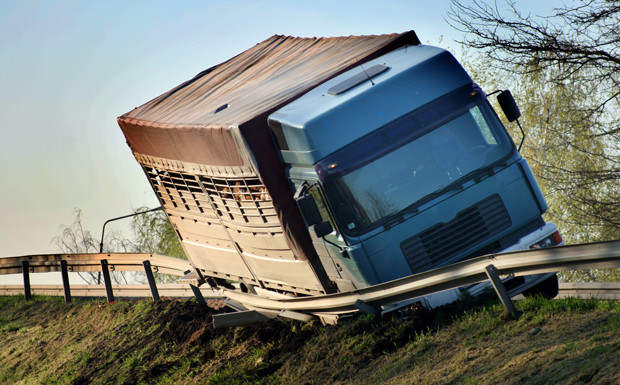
[{"x": 552, "y": 240}]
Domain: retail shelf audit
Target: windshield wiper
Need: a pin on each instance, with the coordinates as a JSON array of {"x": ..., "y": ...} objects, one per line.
[{"x": 458, "y": 184}]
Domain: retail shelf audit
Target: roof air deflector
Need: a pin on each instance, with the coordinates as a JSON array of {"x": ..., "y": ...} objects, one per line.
[
  {"x": 221, "y": 108},
  {"x": 358, "y": 79}
]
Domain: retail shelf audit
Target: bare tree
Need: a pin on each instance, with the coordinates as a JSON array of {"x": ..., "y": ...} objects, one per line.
[
  {"x": 582, "y": 38},
  {"x": 75, "y": 239},
  {"x": 578, "y": 45}
]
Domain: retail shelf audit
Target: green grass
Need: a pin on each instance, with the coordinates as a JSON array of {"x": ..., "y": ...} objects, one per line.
[{"x": 45, "y": 341}]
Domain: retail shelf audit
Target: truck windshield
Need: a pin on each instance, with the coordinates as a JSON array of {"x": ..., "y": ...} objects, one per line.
[{"x": 438, "y": 156}]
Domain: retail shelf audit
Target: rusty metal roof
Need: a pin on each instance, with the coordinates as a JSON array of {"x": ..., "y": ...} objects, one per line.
[{"x": 261, "y": 78}]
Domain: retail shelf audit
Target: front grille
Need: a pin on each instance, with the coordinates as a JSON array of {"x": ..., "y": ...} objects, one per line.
[{"x": 440, "y": 243}]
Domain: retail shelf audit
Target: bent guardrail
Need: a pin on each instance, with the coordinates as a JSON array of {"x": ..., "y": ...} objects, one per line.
[
  {"x": 598, "y": 290},
  {"x": 585, "y": 256}
]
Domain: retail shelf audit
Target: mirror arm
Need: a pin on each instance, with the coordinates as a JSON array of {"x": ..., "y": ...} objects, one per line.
[
  {"x": 522, "y": 135},
  {"x": 507, "y": 103},
  {"x": 333, "y": 244},
  {"x": 301, "y": 190},
  {"x": 494, "y": 92}
]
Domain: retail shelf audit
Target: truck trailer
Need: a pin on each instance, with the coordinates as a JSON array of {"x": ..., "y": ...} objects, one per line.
[{"x": 309, "y": 166}]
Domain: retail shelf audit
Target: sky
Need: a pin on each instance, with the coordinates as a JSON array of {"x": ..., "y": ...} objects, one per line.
[{"x": 68, "y": 69}]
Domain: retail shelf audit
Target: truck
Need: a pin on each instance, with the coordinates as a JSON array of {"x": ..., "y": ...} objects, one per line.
[{"x": 309, "y": 166}]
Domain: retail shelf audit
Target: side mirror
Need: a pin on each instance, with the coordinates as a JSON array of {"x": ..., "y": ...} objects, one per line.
[
  {"x": 312, "y": 216},
  {"x": 322, "y": 229},
  {"x": 508, "y": 105},
  {"x": 309, "y": 210}
]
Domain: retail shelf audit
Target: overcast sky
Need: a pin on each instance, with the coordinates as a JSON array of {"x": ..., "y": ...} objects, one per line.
[{"x": 69, "y": 68}]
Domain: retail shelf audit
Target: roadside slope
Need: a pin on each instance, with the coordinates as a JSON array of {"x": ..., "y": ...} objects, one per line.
[{"x": 171, "y": 342}]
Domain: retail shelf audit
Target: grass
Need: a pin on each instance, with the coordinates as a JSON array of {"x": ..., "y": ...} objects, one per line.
[{"x": 569, "y": 341}]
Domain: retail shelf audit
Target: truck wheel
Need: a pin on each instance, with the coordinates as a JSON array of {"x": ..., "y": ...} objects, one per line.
[{"x": 547, "y": 289}]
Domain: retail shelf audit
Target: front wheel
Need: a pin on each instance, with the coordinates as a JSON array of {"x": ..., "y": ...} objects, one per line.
[{"x": 548, "y": 288}]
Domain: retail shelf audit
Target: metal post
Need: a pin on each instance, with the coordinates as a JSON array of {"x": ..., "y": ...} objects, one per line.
[
  {"x": 65, "y": 280},
  {"x": 151, "y": 279},
  {"x": 26, "y": 273},
  {"x": 297, "y": 316},
  {"x": 198, "y": 295},
  {"x": 241, "y": 318},
  {"x": 116, "y": 219},
  {"x": 122, "y": 217},
  {"x": 365, "y": 308},
  {"x": 501, "y": 290},
  {"x": 105, "y": 270}
]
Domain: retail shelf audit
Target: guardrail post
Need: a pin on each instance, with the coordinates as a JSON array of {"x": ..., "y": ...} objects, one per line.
[
  {"x": 240, "y": 318},
  {"x": 151, "y": 279},
  {"x": 105, "y": 270},
  {"x": 365, "y": 308},
  {"x": 65, "y": 280},
  {"x": 198, "y": 294},
  {"x": 26, "y": 273},
  {"x": 500, "y": 289}
]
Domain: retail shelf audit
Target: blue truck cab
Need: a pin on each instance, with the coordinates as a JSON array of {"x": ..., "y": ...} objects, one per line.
[{"x": 401, "y": 165}]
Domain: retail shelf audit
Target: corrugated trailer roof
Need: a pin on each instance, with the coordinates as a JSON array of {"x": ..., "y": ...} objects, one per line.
[{"x": 272, "y": 72}]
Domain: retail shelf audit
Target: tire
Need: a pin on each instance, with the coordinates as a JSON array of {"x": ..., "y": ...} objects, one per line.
[{"x": 548, "y": 288}]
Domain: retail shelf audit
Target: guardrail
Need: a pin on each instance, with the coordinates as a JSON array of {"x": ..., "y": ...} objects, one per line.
[
  {"x": 93, "y": 262},
  {"x": 86, "y": 262},
  {"x": 598, "y": 290},
  {"x": 328, "y": 307},
  {"x": 169, "y": 290},
  {"x": 489, "y": 267}
]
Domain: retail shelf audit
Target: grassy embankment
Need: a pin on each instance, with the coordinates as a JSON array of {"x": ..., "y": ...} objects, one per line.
[{"x": 171, "y": 342}]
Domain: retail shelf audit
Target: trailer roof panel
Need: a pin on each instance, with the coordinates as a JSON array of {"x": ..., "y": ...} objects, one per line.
[{"x": 261, "y": 78}]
